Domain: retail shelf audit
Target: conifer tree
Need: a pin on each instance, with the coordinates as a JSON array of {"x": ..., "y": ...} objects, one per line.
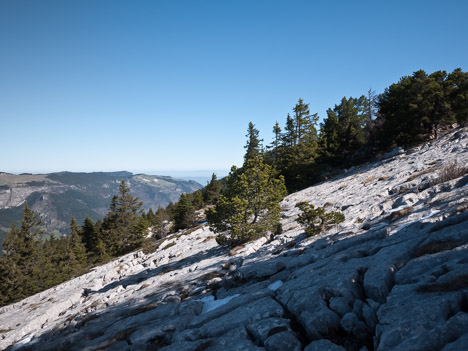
[
  {"x": 20, "y": 263},
  {"x": 458, "y": 95},
  {"x": 249, "y": 207},
  {"x": 342, "y": 132},
  {"x": 211, "y": 191},
  {"x": 12, "y": 276},
  {"x": 197, "y": 199},
  {"x": 415, "y": 107},
  {"x": 303, "y": 121},
  {"x": 184, "y": 213},
  {"x": 253, "y": 147},
  {"x": 289, "y": 136},
  {"x": 77, "y": 247},
  {"x": 58, "y": 262},
  {"x": 277, "y": 133},
  {"x": 150, "y": 216},
  {"x": 89, "y": 235},
  {"x": 296, "y": 156},
  {"x": 121, "y": 230},
  {"x": 160, "y": 224}
]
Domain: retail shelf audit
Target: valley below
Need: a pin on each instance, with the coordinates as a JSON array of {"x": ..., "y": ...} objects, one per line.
[{"x": 56, "y": 197}]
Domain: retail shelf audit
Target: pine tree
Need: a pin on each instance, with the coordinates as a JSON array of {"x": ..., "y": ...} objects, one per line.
[
  {"x": 302, "y": 121},
  {"x": 211, "y": 191},
  {"x": 458, "y": 95},
  {"x": 12, "y": 276},
  {"x": 89, "y": 236},
  {"x": 20, "y": 263},
  {"x": 253, "y": 147},
  {"x": 121, "y": 230},
  {"x": 160, "y": 224},
  {"x": 197, "y": 199},
  {"x": 289, "y": 136},
  {"x": 342, "y": 132},
  {"x": 77, "y": 247},
  {"x": 150, "y": 216},
  {"x": 249, "y": 207},
  {"x": 184, "y": 213},
  {"x": 296, "y": 156},
  {"x": 414, "y": 108}
]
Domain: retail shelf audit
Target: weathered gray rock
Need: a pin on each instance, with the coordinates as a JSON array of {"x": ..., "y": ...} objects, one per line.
[
  {"x": 323, "y": 345},
  {"x": 460, "y": 344},
  {"x": 349, "y": 322},
  {"x": 285, "y": 340},
  {"x": 263, "y": 329},
  {"x": 254, "y": 311},
  {"x": 236, "y": 340}
]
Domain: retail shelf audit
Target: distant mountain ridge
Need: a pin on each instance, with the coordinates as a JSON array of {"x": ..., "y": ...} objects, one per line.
[{"x": 59, "y": 196}]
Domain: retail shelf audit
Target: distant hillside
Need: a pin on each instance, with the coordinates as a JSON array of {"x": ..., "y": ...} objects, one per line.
[{"x": 59, "y": 196}]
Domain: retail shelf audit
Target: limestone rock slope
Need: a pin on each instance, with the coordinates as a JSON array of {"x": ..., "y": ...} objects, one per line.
[{"x": 393, "y": 276}]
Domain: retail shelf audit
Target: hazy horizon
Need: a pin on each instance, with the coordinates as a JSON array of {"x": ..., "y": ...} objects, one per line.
[{"x": 144, "y": 85}]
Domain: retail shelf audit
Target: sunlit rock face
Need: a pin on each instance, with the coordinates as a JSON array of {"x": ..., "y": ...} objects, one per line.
[{"x": 393, "y": 276}]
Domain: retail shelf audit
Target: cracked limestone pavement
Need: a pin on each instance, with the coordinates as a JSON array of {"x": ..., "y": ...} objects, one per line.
[{"x": 393, "y": 276}]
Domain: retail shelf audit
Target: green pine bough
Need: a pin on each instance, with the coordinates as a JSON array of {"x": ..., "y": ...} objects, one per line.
[
  {"x": 249, "y": 206},
  {"x": 315, "y": 219}
]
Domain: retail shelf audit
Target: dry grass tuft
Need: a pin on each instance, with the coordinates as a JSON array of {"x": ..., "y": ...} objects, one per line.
[
  {"x": 211, "y": 275},
  {"x": 451, "y": 171},
  {"x": 226, "y": 266},
  {"x": 418, "y": 174},
  {"x": 86, "y": 319},
  {"x": 368, "y": 180},
  {"x": 34, "y": 306},
  {"x": 235, "y": 250},
  {"x": 150, "y": 246},
  {"x": 145, "y": 285},
  {"x": 169, "y": 245},
  {"x": 399, "y": 214}
]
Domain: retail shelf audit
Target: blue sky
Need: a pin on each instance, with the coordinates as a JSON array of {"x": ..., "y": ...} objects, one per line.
[{"x": 170, "y": 86}]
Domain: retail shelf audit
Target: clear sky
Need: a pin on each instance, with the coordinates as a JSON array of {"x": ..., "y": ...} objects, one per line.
[{"x": 149, "y": 86}]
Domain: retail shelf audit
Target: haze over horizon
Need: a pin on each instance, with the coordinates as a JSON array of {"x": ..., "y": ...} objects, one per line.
[{"x": 170, "y": 86}]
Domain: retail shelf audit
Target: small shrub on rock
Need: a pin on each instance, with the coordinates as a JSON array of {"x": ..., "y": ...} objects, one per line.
[
  {"x": 316, "y": 219},
  {"x": 452, "y": 171}
]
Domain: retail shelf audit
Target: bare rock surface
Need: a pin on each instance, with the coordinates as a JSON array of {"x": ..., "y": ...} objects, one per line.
[{"x": 393, "y": 276}]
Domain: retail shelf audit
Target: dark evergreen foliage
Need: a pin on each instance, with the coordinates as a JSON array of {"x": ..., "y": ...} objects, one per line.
[
  {"x": 249, "y": 206},
  {"x": 417, "y": 106},
  {"x": 184, "y": 213},
  {"x": 342, "y": 132},
  {"x": 121, "y": 229},
  {"x": 316, "y": 219},
  {"x": 253, "y": 147},
  {"x": 211, "y": 191}
]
